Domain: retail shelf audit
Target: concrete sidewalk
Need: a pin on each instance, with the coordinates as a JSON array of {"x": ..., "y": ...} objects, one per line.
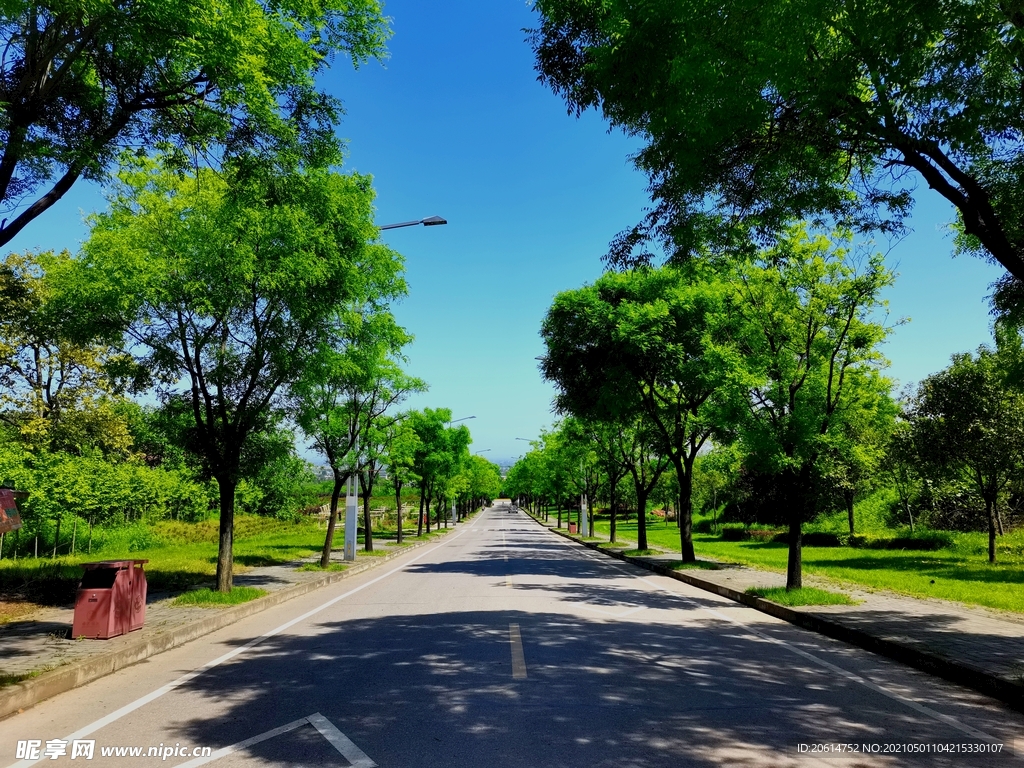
[
  {"x": 40, "y": 645},
  {"x": 976, "y": 647}
]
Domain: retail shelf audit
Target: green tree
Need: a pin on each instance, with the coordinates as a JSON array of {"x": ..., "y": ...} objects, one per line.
[
  {"x": 656, "y": 342},
  {"x": 61, "y": 394},
  {"x": 228, "y": 285},
  {"x": 967, "y": 419},
  {"x": 755, "y": 115},
  {"x": 79, "y": 81},
  {"x": 398, "y": 458},
  {"x": 809, "y": 336}
]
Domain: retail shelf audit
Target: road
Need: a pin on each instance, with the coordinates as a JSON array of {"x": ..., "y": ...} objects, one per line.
[{"x": 506, "y": 645}]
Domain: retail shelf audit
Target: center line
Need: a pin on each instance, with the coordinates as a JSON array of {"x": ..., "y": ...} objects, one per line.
[
  {"x": 508, "y": 581},
  {"x": 518, "y": 659}
]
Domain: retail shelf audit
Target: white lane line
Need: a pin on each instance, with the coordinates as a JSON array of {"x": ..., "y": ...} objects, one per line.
[
  {"x": 515, "y": 640},
  {"x": 243, "y": 744},
  {"x": 508, "y": 581},
  {"x": 341, "y": 742},
  {"x": 154, "y": 695}
]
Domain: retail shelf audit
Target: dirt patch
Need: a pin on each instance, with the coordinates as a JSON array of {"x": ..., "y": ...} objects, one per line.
[{"x": 12, "y": 610}]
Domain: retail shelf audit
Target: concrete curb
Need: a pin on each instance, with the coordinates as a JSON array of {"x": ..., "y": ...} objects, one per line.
[
  {"x": 20, "y": 696},
  {"x": 955, "y": 671}
]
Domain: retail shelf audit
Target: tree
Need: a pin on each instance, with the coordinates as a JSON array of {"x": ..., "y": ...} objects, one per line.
[
  {"x": 398, "y": 459},
  {"x": 59, "y": 393},
  {"x": 754, "y": 115},
  {"x": 656, "y": 342},
  {"x": 809, "y": 336},
  {"x": 227, "y": 285},
  {"x": 343, "y": 394},
  {"x": 79, "y": 81},
  {"x": 967, "y": 419},
  {"x": 637, "y": 444},
  {"x": 388, "y": 386}
]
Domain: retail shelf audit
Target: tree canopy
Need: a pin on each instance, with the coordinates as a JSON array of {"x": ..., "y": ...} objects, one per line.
[
  {"x": 80, "y": 81},
  {"x": 754, "y": 115}
]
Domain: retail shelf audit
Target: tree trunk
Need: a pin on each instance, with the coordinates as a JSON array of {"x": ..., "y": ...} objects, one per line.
[
  {"x": 225, "y": 551},
  {"x": 398, "y": 509},
  {"x": 794, "y": 568},
  {"x": 798, "y": 494},
  {"x": 990, "y": 508},
  {"x": 427, "y": 515},
  {"x": 332, "y": 521},
  {"x": 419, "y": 519},
  {"x": 999, "y": 521},
  {"x": 367, "y": 522},
  {"x": 641, "y": 520},
  {"x": 684, "y": 514},
  {"x": 612, "y": 511}
]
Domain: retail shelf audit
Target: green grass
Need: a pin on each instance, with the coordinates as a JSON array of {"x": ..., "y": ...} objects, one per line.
[
  {"x": 316, "y": 567},
  {"x": 802, "y": 596},
  {"x": 641, "y": 552},
  {"x": 699, "y": 565},
  {"x": 960, "y": 572},
  {"x": 212, "y": 598}
]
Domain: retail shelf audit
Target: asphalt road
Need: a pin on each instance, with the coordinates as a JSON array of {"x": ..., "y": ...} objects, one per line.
[{"x": 506, "y": 645}]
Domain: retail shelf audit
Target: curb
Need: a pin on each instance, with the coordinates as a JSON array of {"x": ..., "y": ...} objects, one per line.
[
  {"x": 19, "y": 696},
  {"x": 958, "y": 672}
]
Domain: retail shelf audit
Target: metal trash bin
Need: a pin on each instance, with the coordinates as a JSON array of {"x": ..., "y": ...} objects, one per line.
[
  {"x": 111, "y": 599},
  {"x": 572, "y": 527}
]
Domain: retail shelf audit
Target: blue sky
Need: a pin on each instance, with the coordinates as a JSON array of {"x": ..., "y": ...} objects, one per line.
[{"x": 455, "y": 124}]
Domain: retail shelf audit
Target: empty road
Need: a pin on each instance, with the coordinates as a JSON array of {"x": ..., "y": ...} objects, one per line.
[{"x": 506, "y": 645}]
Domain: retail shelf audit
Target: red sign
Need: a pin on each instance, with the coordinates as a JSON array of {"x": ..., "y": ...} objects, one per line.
[{"x": 10, "y": 520}]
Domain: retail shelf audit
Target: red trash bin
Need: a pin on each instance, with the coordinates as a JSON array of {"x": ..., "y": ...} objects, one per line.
[
  {"x": 572, "y": 527},
  {"x": 111, "y": 599}
]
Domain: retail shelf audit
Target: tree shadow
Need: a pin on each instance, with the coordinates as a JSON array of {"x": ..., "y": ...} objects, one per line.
[{"x": 438, "y": 690}]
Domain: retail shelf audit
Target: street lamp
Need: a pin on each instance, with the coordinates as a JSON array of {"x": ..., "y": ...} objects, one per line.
[
  {"x": 430, "y": 221},
  {"x": 450, "y": 421}
]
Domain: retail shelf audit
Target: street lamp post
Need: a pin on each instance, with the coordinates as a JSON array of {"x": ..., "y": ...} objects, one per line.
[{"x": 351, "y": 505}]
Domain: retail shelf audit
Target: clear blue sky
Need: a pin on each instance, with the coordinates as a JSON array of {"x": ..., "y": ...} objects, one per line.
[{"x": 455, "y": 124}]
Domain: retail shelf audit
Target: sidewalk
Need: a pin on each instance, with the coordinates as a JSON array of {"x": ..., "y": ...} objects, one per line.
[
  {"x": 40, "y": 645},
  {"x": 973, "y": 646}
]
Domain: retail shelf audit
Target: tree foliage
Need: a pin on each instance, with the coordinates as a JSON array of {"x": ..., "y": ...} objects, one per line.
[
  {"x": 79, "y": 81},
  {"x": 228, "y": 285},
  {"x": 754, "y": 115}
]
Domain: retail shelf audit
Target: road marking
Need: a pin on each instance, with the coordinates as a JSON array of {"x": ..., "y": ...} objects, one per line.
[
  {"x": 508, "y": 581},
  {"x": 341, "y": 742},
  {"x": 337, "y": 739},
  {"x": 127, "y": 709},
  {"x": 515, "y": 640}
]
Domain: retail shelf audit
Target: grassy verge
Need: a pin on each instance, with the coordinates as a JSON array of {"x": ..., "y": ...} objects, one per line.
[
  {"x": 316, "y": 567},
  {"x": 959, "y": 573},
  {"x": 211, "y": 598},
  {"x": 803, "y": 596}
]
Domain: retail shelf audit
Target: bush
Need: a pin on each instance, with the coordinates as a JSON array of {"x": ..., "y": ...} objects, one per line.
[{"x": 734, "y": 533}]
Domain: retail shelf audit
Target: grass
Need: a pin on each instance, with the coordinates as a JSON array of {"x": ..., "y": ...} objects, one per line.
[
  {"x": 211, "y": 598},
  {"x": 179, "y": 557},
  {"x": 960, "y": 572},
  {"x": 802, "y": 596},
  {"x": 316, "y": 567},
  {"x": 699, "y": 565}
]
